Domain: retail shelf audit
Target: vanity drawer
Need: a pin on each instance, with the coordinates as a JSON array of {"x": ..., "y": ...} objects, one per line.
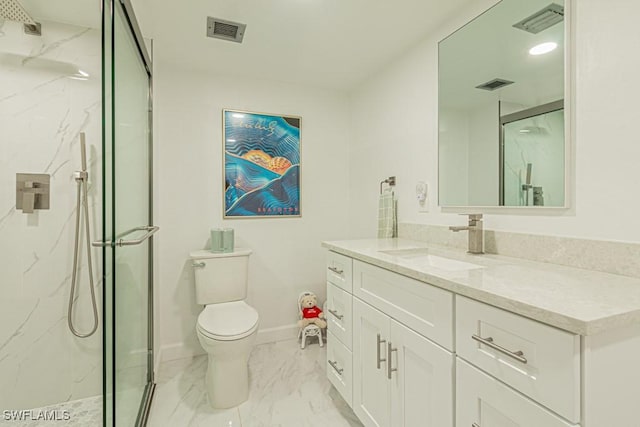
[
  {"x": 339, "y": 269},
  {"x": 339, "y": 314},
  {"x": 482, "y": 401},
  {"x": 548, "y": 367},
  {"x": 339, "y": 367},
  {"x": 424, "y": 308}
]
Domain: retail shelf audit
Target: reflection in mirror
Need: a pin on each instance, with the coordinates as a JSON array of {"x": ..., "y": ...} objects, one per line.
[
  {"x": 501, "y": 108},
  {"x": 532, "y": 157}
]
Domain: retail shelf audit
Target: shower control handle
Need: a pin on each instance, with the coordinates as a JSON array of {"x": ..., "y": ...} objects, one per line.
[{"x": 32, "y": 192}]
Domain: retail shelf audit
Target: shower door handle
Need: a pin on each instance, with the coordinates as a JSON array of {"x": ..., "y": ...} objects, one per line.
[{"x": 150, "y": 231}]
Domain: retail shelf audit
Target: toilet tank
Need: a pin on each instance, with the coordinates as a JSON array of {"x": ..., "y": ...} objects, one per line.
[{"x": 220, "y": 277}]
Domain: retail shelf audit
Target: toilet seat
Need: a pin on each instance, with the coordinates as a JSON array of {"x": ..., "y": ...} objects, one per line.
[{"x": 228, "y": 321}]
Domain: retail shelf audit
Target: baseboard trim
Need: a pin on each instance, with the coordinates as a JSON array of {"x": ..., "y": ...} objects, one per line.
[
  {"x": 181, "y": 351},
  {"x": 157, "y": 360},
  {"x": 280, "y": 333}
]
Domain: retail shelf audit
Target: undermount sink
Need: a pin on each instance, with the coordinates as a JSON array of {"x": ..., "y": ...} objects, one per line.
[{"x": 422, "y": 256}]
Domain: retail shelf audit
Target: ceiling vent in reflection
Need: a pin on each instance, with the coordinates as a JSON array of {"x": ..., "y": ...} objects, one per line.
[
  {"x": 494, "y": 84},
  {"x": 13, "y": 11},
  {"x": 543, "y": 19},
  {"x": 225, "y": 30}
]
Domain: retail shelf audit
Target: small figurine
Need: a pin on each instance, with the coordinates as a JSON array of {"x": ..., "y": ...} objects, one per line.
[{"x": 311, "y": 313}]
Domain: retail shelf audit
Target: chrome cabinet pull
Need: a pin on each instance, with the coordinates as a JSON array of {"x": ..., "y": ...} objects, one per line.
[
  {"x": 334, "y": 365},
  {"x": 517, "y": 355},
  {"x": 335, "y": 313},
  {"x": 378, "y": 358},
  {"x": 150, "y": 231},
  {"x": 475, "y": 425},
  {"x": 390, "y": 350},
  {"x": 335, "y": 270},
  {"x": 198, "y": 265}
]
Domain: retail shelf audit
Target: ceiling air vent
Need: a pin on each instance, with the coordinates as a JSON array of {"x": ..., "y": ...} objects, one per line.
[
  {"x": 225, "y": 30},
  {"x": 543, "y": 19},
  {"x": 494, "y": 84}
]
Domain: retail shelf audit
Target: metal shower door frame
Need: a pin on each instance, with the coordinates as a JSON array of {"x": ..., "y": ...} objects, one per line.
[{"x": 109, "y": 9}]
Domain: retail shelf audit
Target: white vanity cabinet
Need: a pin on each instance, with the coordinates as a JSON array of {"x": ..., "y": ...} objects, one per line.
[
  {"x": 401, "y": 379},
  {"x": 483, "y": 401},
  {"x": 338, "y": 315},
  {"x": 339, "y": 324},
  {"x": 537, "y": 360},
  {"x": 404, "y": 353}
]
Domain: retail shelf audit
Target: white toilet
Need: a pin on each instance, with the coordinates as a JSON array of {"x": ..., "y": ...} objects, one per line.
[{"x": 227, "y": 326}]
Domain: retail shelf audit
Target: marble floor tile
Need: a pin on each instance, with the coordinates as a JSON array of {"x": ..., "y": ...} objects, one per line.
[
  {"x": 289, "y": 388},
  {"x": 181, "y": 400},
  {"x": 77, "y": 413}
]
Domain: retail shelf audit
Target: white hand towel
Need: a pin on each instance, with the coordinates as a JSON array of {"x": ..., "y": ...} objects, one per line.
[{"x": 387, "y": 213}]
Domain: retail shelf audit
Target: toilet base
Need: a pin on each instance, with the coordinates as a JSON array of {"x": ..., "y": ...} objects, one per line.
[
  {"x": 227, "y": 377},
  {"x": 227, "y": 382}
]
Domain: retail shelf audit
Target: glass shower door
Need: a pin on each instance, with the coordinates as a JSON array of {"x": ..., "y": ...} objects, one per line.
[
  {"x": 129, "y": 366},
  {"x": 532, "y": 154}
]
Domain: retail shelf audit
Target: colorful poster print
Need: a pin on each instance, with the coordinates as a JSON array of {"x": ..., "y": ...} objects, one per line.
[{"x": 261, "y": 165}]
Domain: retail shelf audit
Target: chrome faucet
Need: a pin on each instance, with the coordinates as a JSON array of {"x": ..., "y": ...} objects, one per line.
[{"x": 476, "y": 245}]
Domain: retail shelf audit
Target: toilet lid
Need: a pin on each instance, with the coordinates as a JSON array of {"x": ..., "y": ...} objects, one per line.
[{"x": 228, "y": 320}]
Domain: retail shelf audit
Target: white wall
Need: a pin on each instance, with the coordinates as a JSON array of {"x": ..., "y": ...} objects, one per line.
[
  {"x": 287, "y": 257},
  {"x": 42, "y": 112},
  {"x": 454, "y": 137},
  {"x": 395, "y": 128},
  {"x": 483, "y": 155},
  {"x": 469, "y": 155}
]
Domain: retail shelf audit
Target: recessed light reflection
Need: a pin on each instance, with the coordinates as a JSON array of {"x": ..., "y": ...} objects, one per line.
[
  {"x": 237, "y": 115},
  {"x": 231, "y": 140},
  {"x": 543, "y": 48},
  {"x": 80, "y": 75}
]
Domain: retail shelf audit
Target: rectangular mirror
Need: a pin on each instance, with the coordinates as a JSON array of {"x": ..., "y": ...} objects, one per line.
[{"x": 501, "y": 133}]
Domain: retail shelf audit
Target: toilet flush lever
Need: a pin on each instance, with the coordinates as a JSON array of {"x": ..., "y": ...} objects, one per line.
[{"x": 198, "y": 265}]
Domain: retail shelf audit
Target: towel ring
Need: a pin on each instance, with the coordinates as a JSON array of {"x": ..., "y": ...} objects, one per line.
[{"x": 391, "y": 181}]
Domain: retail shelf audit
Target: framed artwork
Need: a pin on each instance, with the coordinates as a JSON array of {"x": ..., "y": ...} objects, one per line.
[{"x": 261, "y": 165}]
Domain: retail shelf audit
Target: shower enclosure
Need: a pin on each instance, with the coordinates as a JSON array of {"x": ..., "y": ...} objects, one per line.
[
  {"x": 532, "y": 156},
  {"x": 82, "y": 71}
]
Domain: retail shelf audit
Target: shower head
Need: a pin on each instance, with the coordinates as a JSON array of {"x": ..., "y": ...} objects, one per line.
[{"x": 13, "y": 11}]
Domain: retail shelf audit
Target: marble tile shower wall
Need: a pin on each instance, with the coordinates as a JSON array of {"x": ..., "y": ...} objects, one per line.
[
  {"x": 50, "y": 91},
  {"x": 601, "y": 255}
]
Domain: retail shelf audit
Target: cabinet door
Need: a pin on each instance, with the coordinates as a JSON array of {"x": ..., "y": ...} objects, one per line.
[
  {"x": 483, "y": 401},
  {"x": 338, "y": 314},
  {"x": 371, "y": 387},
  {"x": 550, "y": 372},
  {"x": 339, "y": 271},
  {"x": 339, "y": 367},
  {"x": 422, "y": 386}
]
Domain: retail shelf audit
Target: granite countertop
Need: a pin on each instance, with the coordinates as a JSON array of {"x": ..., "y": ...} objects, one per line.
[{"x": 581, "y": 301}]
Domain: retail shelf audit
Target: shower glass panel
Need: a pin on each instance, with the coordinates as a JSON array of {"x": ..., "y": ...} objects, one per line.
[
  {"x": 128, "y": 344},
  {"x": 50, "y": 93},
  {"x": 533, "y": 160}
]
